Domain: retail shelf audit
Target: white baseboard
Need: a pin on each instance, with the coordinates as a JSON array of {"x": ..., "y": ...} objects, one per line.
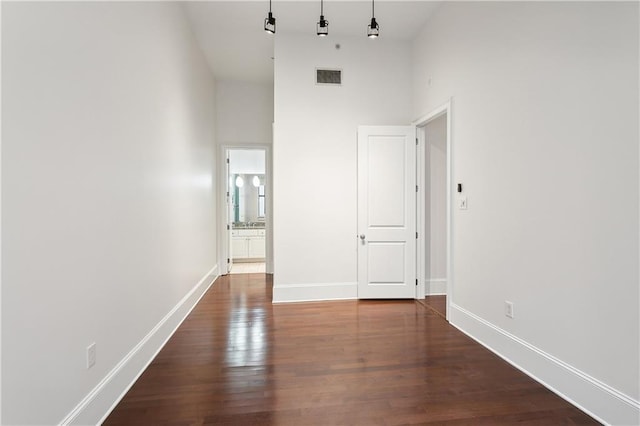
[
  {"x": 592, "y": 396},
  {"x": 435, "y": 287},
  {"x": 314, "y": 292},
  {"x": 97, "y": 405}
]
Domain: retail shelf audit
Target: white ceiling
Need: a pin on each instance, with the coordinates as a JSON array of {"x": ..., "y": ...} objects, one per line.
[{"x": 232, "y": 36}]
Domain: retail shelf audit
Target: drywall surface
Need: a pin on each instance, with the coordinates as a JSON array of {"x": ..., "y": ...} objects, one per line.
[
  {"x": 244, "y": 113},
  {"x": 545, "y": 142},
  {"x": 314, "y": 149},
  {"x": 247, "y": 161},
  {"x": 108, "y": 208}
]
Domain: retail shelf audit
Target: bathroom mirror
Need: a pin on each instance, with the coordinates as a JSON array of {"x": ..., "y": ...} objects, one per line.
[{"x": 248, "y": 200}]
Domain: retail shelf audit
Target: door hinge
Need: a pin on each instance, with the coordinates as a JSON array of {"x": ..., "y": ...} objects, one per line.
[
  {"x": 227, "y": 161},
  {"x": 228, "y": 227},
  {"x": 416, "y": 141},
  {"x": 416, "y": 281},
  {"x": 416, "y": 188},
  {"x": 228, "y": 260},
  {"x": 416, "y": 235}
]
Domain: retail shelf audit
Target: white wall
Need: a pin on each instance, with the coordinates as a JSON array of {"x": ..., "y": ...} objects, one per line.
[
  {"x": 244, "y": 113},
  {"x": 314, "y": 154},
  {"x": 247, "y": 161},
  {"x": 435, "y": 191},
  {"x": 545, "y": 142},
  {"x": 108, "y": 208},
  {"x": 244, "y": 118}
]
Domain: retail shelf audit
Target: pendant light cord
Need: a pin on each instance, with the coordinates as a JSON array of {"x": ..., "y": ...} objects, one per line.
[
  {"x": 373, "y": 8},
  {"x": 321, "y": 7}
]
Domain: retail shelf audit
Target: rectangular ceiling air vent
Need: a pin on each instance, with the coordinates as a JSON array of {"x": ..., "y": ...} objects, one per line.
[{"x": 327, "y": 76}]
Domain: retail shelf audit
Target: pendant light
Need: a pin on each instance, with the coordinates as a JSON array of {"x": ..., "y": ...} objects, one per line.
[
  {"x": 323, "y": 24},
  {"x": 373, "y": 29},
  {"x": 270, "y": 22}
]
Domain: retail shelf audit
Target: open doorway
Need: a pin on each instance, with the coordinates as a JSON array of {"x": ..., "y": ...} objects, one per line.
[
  {"x": 246, "y": 181},
  {"x": 434, "y": 253}
]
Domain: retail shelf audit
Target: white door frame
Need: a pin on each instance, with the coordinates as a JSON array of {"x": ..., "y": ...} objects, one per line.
[
  {"x": 223, "y": 246},
  {"x": 420, "y": 124}
]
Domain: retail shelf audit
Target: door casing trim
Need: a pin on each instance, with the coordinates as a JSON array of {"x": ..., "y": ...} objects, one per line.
[{"x": 420, "y": 123}]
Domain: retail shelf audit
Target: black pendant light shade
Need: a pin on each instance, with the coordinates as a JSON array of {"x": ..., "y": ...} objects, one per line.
[
  {"x": 322, "y": 27},
  {"x": 323, "y": 24},
  {"x": 373, "y": 29},
  {"x": 270, "y": 22}
]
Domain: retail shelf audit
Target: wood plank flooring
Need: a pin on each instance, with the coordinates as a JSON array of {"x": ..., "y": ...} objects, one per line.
[
  {"x": 239, "y": 360},
  {"x": 437, "y": 303}
]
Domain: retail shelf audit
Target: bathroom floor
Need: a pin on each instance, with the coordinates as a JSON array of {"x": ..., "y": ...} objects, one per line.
[{"x": 248, "y": 268}]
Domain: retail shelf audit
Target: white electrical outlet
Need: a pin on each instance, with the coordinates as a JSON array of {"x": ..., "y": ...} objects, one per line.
[
  {"x": 91, "y": 355},
  {"x": 508, "y": 308}
]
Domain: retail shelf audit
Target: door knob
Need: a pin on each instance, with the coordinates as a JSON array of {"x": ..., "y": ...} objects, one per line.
[{"x": 362, "y": 237}]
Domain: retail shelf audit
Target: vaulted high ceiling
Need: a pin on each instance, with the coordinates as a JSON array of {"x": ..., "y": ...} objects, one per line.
[{"x": 232, "y": 37}]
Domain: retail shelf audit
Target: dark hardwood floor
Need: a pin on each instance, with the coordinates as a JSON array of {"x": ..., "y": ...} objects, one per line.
[
  {"x": 436, "y": 303},
  {"x": 239, "y": 360}
]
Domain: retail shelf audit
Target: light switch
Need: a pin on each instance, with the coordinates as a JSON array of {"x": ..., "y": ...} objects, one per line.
[{"x": 462, "y": 203}]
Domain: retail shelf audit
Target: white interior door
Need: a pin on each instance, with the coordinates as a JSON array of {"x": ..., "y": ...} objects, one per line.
[{"x": 386, "y": 212}]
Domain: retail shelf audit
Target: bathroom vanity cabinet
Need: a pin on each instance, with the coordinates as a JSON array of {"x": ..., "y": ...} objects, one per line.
[{"x": 248, "y": 243}]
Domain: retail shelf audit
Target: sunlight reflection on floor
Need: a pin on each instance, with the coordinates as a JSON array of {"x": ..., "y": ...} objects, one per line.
[{"x": 248, "y": 268}]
